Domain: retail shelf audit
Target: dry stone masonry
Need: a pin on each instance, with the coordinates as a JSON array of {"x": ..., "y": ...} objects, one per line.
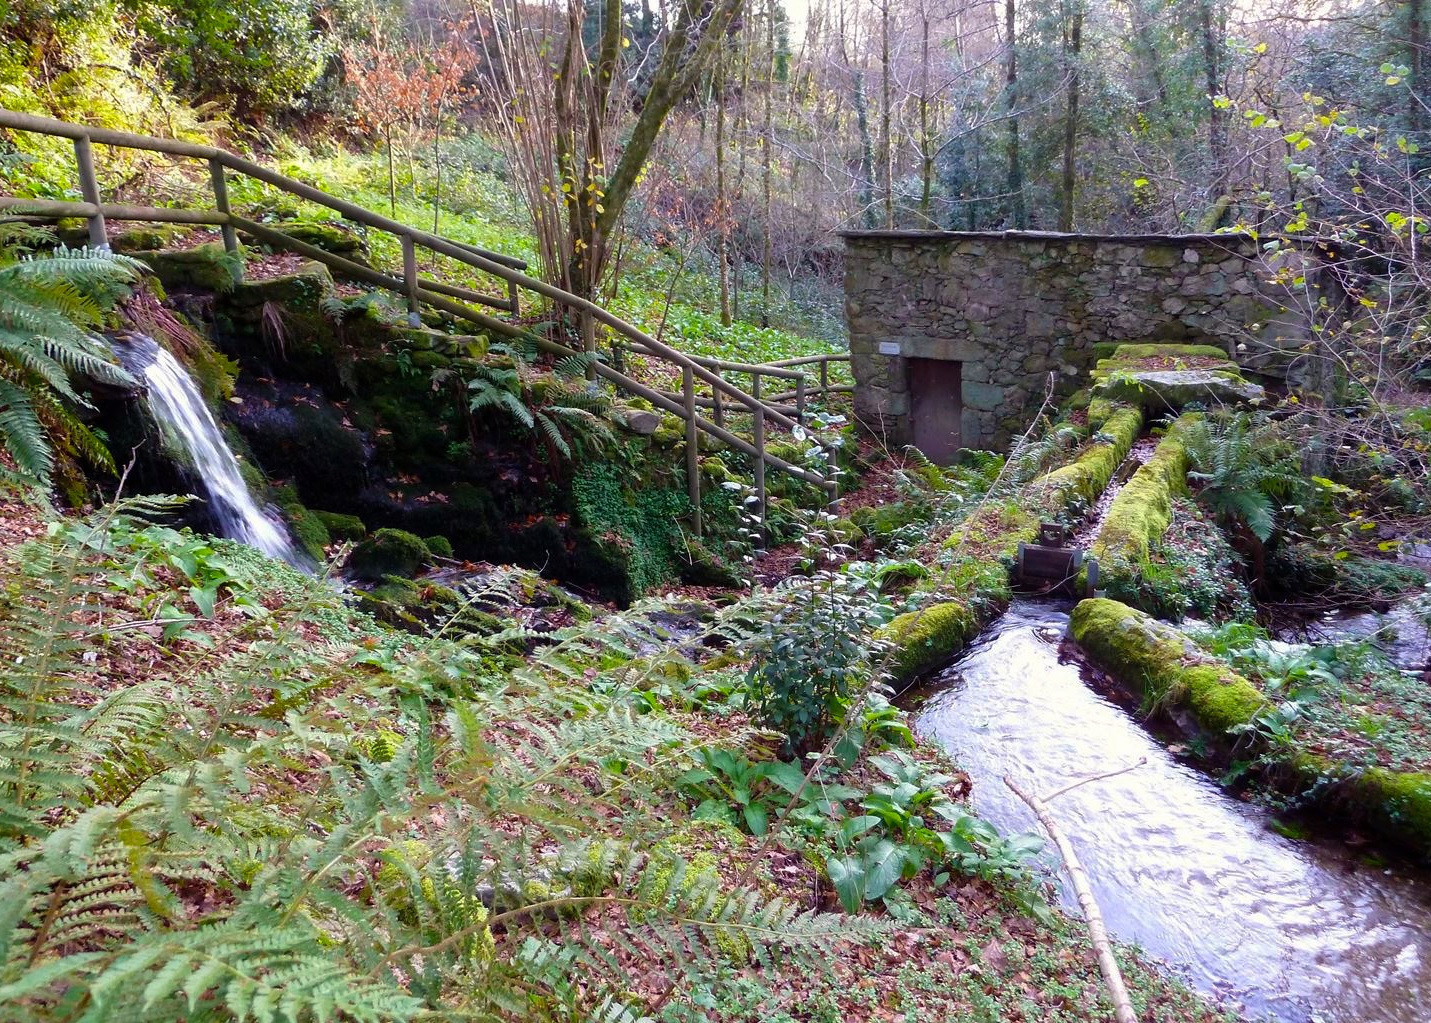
[{"x": 1014, "y": 308}]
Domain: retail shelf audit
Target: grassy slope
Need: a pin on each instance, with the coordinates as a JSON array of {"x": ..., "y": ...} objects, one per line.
[{"x": 479, "y": 208}]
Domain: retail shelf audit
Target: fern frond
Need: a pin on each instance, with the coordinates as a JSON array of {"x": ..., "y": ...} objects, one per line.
[{"x": 22, "y": 435}]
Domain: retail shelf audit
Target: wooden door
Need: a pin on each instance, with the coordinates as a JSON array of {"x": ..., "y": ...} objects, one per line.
[{"x": 936, "y": 407}]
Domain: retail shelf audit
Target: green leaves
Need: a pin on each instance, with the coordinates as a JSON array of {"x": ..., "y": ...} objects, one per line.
[
  {"x": 48, "y": 307},
  {"x": 867, "y": 875}
]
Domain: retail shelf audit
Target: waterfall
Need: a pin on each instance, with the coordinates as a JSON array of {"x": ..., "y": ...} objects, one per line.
[{"x": 189, "y": 428}]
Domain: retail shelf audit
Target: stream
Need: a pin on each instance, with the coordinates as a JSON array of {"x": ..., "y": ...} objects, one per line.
[{"x": 1300, "y": 932}]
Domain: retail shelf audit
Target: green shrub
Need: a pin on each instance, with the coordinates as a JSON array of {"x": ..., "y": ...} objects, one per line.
[{"x": 815, "y": 650}]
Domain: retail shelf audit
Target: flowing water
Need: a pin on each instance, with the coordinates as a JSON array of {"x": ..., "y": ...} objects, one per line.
[
  {"x": 190, "y": 430},
  {"x": 1297, "y": 931}
]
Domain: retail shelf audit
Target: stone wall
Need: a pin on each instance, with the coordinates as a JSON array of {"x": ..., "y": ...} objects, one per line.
[{"x": 1019, "y": 306}]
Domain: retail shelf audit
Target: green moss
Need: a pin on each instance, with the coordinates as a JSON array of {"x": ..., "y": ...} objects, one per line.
[
  {"x": 1133, "y": 353},
  {"x": 927, "y": 638},
  {"x": 1155, "y": 661},
  {"x": 342, "y": 527},
  {"x": 1142, "y": 511},
  {"x": 147, "y": 238},
  {"x": 440, "y": 546},
  {"x": 329, "y": 237},
  {"x": 308, "y": 530},
  {"x": 633, "y": 526},
  {"x": 388, "y": 552},
  {"x": 1099, "y": 409},
  {"x": 1401, "y": 805},
  {"x": 1088, "y": 475}
]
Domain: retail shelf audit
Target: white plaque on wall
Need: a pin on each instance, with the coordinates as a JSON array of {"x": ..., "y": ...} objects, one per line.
[{"x": 889, "y": 347}]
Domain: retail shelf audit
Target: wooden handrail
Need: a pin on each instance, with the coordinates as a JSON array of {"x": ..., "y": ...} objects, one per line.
[{"x": 419, "y": 291}]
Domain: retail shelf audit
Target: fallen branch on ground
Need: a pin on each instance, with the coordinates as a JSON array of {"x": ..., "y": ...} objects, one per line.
[{"x": 1097, "y": 932}]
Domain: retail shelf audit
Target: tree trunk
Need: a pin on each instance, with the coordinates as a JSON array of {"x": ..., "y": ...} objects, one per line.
[
  {"x": 1416, "y": 83},
  {"x": 722, "y": 210},
  {"x": 1073, "y": 44},
  {"x": 862, "y": 117},
  {"x": 926, "y": 135},
  {"x": 886, "y": 140},
  {"x": 1015, "y": 188},
  {"x": 436, "y": 170},
  {"x": 1147, "y": 52},
  {"x": 767, "y": 140},
  {"x": 1212, "y": 30},
  {"x": 392, "y": 176}
]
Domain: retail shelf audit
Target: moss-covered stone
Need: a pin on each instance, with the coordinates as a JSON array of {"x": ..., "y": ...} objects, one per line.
[
  {"x": 1087, "y": 476},
  {"x": 207, "y": 267},
  {"x": 388, "y": 552},
  {"x": 342, "y": 528},
  {"x": 1160, "y": 665},
  {"x": 440, "y": 546},
  {"x": 1142, "y": 511},
  {"x": 1399, "y": 805},
  {"x": 925, "y": 639},
  {"x": 1162, "y": 377},
  {"x": 311, "y": 281},
  {"x": 700, "y": 566},
  {"x": 145, "y": 238},
  {"x": 330, "y": 237},
  {"x": 1136, "y": 352}
]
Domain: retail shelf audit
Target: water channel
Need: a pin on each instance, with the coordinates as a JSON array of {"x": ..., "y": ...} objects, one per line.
[{"x": 1299, "y": 932}]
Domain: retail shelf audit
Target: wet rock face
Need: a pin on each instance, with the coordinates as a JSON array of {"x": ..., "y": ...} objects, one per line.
[{"x": 1015, "y": 308}]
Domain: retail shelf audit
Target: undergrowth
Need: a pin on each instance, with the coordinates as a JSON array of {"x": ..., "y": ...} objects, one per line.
[{"x": 217, "y": 806}]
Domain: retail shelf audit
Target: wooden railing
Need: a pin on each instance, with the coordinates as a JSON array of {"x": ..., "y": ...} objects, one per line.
[
  {"x": 721, "y": 395},
  {"x": 791, "y": 402}
]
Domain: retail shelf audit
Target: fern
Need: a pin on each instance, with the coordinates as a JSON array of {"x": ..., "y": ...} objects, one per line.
[
  {"x": 48, "y": 310},
  {"x": 1243, "y": 470},
  {"x": 210, "y": 841}
]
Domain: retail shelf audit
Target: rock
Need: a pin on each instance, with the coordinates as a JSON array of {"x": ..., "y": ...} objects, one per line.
[
  {"x": 208, "y": 267},
  {"x": 342, "y": 527},
  {"x": 641, "y": 421},
  {"x": 985, "y": 397},
  {"x": 1162, "y": 389},
  {"x": 330, "y": 237},
  {"x": 310, "y": 283},
  {"x": 388, "y": 552}
]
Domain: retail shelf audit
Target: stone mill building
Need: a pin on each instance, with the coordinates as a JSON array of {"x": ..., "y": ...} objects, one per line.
[{"x": 956, "y": 338}]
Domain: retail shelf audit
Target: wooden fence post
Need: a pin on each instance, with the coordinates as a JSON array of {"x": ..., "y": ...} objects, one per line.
[
  {"x": 800, "y": 399},
  {"x": 409, "y": 280},
  {"x": 825, "y": 377},
  {"x": 717, "y": 404},
  {"x": 693, "y": 451},
  {"x": 89, "y": 188},
  {"x": 221, "y": 203},
  {"x": 759, "y": 414}
]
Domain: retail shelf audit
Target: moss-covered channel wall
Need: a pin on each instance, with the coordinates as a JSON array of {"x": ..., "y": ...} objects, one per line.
[
  {"x": 1166, "y": 671},
  {"x": 970, "y": 587}
]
